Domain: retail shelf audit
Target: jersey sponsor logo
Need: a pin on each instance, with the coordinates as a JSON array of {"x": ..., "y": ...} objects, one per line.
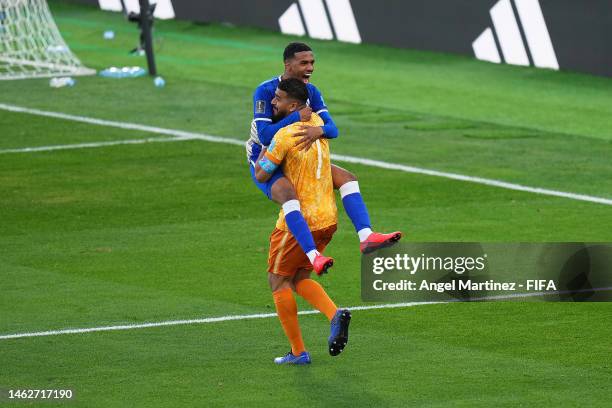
[
  {"x": 260, "y": 106},
  {"x": 507, "y": 29}
]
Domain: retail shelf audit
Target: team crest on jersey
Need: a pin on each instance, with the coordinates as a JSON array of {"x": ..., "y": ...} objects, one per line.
[{"x": 260, "y": 106}]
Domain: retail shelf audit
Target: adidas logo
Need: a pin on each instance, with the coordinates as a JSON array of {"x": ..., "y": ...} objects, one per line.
[
  {"x": 510, "y": 38},
  {"x": 315, "y": 15}
]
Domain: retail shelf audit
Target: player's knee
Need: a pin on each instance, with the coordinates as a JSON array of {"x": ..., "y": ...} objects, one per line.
[
  {"x": 349, "y": 177},
  {"x": 341, "y": 176},
  {"x": 283, "y": 191},
  {"x": 300, "y": 276},
  {"x": 278, "y": 282},
  {"x": 346, "y": 178}
]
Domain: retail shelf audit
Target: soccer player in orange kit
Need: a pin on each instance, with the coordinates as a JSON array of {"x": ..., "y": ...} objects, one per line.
[{"x": 289, "y": 269}]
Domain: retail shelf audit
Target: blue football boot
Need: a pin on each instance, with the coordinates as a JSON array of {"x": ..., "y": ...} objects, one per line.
[
  {"x": 339, "y": 332},
  {"x": 289, "y": 358}
]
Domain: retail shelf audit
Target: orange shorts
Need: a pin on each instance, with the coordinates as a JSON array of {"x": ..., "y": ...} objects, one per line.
[{"x": 286, "y": 256}]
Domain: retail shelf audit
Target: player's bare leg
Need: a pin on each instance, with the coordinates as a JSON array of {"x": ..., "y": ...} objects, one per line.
[
  {"x": 341, "y": 176},
  {"x": 283, "y": 193},
  {"x": 278, "y": 282},
  {"x": 286, "y": 309},
  {"x": 356, "y": 209}
]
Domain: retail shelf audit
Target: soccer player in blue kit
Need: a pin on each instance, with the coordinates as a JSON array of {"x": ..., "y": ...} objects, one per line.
[{"x": 299, "y": 63}]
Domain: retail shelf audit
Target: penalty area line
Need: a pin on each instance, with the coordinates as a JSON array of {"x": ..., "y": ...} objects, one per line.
[{"x": 181, "y": 135}]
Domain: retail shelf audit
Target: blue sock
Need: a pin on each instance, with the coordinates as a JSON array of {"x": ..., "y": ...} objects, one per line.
[
  {"x": 298, "y": 226},
  {"x": 354, "y": 206}
]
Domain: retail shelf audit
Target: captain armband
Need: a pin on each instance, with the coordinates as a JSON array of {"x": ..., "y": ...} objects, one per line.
[{"x": 267, "y": 165}]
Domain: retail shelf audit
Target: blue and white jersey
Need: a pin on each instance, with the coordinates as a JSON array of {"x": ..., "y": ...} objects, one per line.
[{"x": 262, "y": 128}]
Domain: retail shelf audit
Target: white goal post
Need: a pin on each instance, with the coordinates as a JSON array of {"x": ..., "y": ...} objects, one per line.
[{"x": 31, "y": 45}]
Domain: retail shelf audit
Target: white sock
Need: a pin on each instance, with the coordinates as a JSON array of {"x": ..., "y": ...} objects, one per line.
[
  {"x": 312, "y": 255},
  {"x": 291, "y": 205},
  {"x": 294, "y": 205},
  {"x": 349, "y": 188},
  {"x": 364, "y": 234}
]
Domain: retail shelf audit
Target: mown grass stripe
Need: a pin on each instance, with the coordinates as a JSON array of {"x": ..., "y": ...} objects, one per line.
[{"x": 185, "y": 135}]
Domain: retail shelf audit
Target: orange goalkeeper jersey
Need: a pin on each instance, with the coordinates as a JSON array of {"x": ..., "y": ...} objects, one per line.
[{"x": 310, "y": 173}]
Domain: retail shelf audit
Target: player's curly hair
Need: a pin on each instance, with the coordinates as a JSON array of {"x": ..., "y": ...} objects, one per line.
[
  {"x": 293, "y": 48},
  {"x": 295, "y": 89}
]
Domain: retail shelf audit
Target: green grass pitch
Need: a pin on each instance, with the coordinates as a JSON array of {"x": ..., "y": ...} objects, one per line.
[{"x": 163, "y": 231}]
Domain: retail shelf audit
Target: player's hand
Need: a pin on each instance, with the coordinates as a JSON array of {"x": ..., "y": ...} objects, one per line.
[
  {"x": 308, "y": 135},
  {"x": 305, "y": 114}
]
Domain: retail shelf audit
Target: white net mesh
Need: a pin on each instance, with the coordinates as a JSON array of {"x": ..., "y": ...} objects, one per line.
[{"x": 31, "y": 45}]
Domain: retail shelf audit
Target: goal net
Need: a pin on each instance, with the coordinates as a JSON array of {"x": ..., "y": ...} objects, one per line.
[{"x": 31, "y": 46}]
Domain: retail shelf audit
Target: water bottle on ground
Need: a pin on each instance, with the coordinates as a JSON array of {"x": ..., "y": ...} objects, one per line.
[
  {"x": 61, "y": 82},
  {"x": 125, "y": 72}
]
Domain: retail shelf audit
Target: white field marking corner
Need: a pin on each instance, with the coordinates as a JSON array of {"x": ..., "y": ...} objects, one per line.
[{"x": 180, "y": 135}]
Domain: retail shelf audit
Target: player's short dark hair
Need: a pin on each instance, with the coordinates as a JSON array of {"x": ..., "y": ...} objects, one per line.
[
  {"x": 295, "y": 89},
  {"x": 293, "y": 48}
]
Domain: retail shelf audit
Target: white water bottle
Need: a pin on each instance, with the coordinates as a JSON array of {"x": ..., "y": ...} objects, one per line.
[{"x": 61, "y": 82}]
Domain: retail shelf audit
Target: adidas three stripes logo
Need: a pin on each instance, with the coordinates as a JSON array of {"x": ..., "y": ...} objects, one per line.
[
  {"x": 519, "y": 35},
  {"x": 314, "y": 14},
  {"x": 509, "y": 37}
]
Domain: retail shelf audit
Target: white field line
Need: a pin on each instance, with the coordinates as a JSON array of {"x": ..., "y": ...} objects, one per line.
[
  {"x": 89, "y": 145},
  {"x": 192, "y": 321},
  {"x": 180, "y": 135},
  {"x": 471, "y": 179},
  {"x": 271, "y": 315}
]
